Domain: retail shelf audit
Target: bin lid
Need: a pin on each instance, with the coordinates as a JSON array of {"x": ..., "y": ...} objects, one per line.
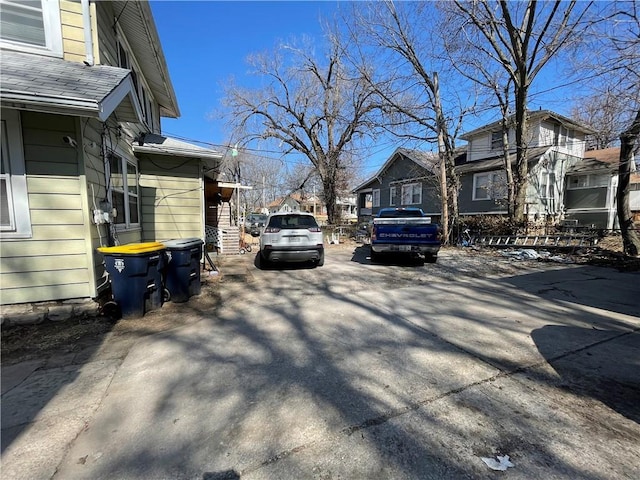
[
  {"x": 183, "y": 243},
  {"x": 133, "y": 248}
]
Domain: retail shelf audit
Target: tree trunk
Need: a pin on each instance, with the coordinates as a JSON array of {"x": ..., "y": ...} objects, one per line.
[
  {"x": 330, "y": 197},
  {"x": 522, "y": 168},
  {"x": 446, "y": 165},
  {"x": 511, "y": 192},
  {"x": 444, "y": 220},
  {"x": 630, "y": 238}
]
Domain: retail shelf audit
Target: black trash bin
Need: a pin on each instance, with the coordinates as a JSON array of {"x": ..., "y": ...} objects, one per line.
[
  {"x": 183, "y": 268},
  {"x": 136, "y": 273}
]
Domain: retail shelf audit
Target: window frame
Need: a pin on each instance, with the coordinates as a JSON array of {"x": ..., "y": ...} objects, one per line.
[
  {"x": 375, "y": 198},
  {"x": 413, "y": 186},
  {"x": 492, "y": 180},
  {"x": 124, "y": 190},
  {"x": 16, "y": 178},
  {"x": 590, "y": 181},
  {"x": 52, "y": 26},
  {"x": 393, "y": 193},
  {"x": 548, "y": 181},
  {"x": 145, "y": 97},
  {"x": 496, "y": 140}
]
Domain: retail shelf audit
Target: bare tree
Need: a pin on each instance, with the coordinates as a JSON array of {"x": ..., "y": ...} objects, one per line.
[
  {"x": 613, "y": 107},
  {"x": 522, "y": 37},
  {"x": 494, "y": 84},
  {"x": 629, "y": 140},
  {"x": 315, "y": 106},
  {"x": 605, "y": 112},
  {"x": 409, "y": 86},
  {"x": 625, "y": 65}
]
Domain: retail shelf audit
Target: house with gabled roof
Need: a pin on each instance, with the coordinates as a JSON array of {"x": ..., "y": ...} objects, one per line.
[
  {"x": 408, "y": 178},
  {"x": 286, "y": 204},
  {"x": 84, "y": 162},
  {"x": 555, "y": 144}
]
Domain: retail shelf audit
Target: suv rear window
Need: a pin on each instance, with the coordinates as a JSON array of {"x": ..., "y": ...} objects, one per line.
[{"x": 292, "y": 221}]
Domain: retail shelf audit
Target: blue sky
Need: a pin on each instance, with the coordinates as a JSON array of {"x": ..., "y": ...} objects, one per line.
[{"x": 206, "y": 42}]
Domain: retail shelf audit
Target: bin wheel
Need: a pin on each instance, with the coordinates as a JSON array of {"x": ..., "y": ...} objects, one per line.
[
  {"x": 112, "y": 310},
  {"x": 166, "y": 295},
  {"x": 242, "y": 251},
  {"x": 248, "y": 248}
]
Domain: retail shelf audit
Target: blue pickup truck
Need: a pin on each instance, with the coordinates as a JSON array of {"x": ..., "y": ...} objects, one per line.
[{"x": 405, "y": 230}]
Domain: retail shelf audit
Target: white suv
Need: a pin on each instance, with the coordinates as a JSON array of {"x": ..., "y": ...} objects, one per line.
[{"x": 292, "y": 237}]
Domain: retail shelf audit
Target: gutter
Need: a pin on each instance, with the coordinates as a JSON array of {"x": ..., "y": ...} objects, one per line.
[{"x": 88, "y": 38}]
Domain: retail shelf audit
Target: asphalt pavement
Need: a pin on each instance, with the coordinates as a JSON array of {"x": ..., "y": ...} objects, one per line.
[{"x": 348, "y": 371}]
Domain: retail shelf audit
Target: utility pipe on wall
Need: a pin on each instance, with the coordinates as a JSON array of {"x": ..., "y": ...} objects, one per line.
[{"x": 88, "y": 38}]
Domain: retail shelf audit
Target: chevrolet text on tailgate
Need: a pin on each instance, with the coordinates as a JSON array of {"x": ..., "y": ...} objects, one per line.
[{"x": 405, "y": 230}]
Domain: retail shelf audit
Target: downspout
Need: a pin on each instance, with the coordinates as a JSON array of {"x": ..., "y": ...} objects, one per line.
[{"x": 88, "y": 38}]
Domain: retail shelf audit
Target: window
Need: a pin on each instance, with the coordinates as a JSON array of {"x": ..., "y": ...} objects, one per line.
[
  {"x": 560, "y": 134},
  {"x": 393, "y": 193},
  {"x": 496, "y": 140},
  {"x": 587, "y": 181},
  {"x": 489, "y": 185},
  {"x": 125, "y": 60},
  {"x": 547, "y": 184},
  {"x": 31, "y": 25},
  {"x": 123, "y": 187},
  {"x": 376, "y": 198},
  {"x": 15, "y": 221},
  {"x": 412, "y": 194}
]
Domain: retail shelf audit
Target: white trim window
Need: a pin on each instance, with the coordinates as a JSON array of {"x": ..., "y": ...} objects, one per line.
[
  {"x": 576, "y": 182},
  {"x": 547, "y": 184},
  {"x": 123, "y": 191},
  {"x": 393, "y": 196},
  {"x": 496, "y": 140},
  {"x": 412, "y": 194},
  {"x": 489, "y": 185},
  {"x": 32, "y": 26},
  {"x": 15, "y": 220},
  {"x": 375, "y": 197}
]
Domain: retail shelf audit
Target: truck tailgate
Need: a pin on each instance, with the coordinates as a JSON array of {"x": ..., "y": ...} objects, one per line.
[{"x": 405, "y": 230}]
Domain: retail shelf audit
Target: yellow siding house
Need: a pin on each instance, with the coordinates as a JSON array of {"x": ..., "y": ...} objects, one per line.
[{"x": 83, "y": 85}]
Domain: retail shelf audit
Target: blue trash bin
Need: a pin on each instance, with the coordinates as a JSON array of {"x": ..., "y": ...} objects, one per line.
[
  {"x": 183, "y": 268},
  {"x": 136, "y": 274}
]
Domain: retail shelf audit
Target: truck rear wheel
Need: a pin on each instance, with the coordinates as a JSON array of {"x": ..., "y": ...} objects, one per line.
[
  {"x": 375, "y": 256},
  {"x": 429, "y": 258}
]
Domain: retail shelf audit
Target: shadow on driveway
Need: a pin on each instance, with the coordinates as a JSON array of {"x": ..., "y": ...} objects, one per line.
[{"x": 608, "y": 371}]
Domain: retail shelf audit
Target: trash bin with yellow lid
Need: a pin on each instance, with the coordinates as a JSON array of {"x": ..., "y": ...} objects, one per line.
[
  {"x": 136, "y": 274},
  {"x": 183, "y": 268}
]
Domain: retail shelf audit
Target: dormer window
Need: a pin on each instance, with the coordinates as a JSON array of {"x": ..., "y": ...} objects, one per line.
[
  {"x": 496, "y": 141},
  {"x": 32, "y": 26}
]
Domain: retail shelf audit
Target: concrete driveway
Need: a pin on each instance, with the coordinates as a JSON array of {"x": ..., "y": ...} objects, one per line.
[{"x": 354, "y": 370}]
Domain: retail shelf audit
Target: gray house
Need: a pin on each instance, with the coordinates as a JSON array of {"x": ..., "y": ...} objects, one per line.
[
  {"x": 555, "y": 145},
  {"x": 409, "y": 178}
]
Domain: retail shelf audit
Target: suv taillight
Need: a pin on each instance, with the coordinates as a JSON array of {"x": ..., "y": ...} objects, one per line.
[{"x": 271, "y": 230}]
